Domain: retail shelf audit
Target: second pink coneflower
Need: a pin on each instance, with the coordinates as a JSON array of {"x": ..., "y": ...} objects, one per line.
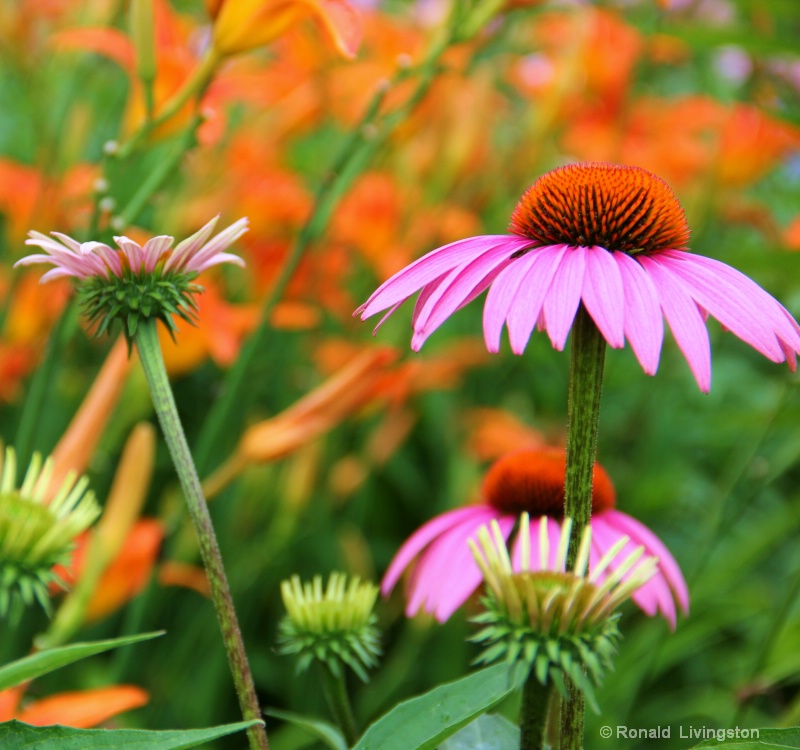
[
  {"x": 612, "y": 238},
  {"x": 444, "y": 574}
]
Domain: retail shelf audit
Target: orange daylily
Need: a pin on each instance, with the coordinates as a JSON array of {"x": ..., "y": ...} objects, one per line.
[
  {"x": 494, "y": 432},
  {"x": 76, "y": 446},
  {"x": 241, "y": 25},
  {"x": 319, "y": 411},
  {"x": 129, "y": 572},
  {"x": 81, "y": 709}
]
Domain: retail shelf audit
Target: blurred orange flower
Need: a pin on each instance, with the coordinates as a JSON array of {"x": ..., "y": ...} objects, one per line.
[
  {"x": 128, "y": 573},
  {"x": 81, "y": 709},
  {"x": 241, "y": 25}
]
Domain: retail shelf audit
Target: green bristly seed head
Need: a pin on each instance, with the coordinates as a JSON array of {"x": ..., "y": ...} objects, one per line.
[
  {"x": 37, "y": 534},
  {"x": 548, "y": 621},
  {"x": 334, "y": 626},
  {"x": 136, "y": 297}
]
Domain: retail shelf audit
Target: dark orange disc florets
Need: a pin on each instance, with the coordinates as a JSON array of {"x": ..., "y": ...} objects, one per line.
[
  {"x": 533, "y": 481},
  {"x": 605, "y": 205}
]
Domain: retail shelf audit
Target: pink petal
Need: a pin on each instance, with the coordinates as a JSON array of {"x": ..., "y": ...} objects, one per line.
[
  {"x": 564, "y": 295},
  {"x": 457, "y": 579},
  {"x": 153, "y": 249},
  {"x": 421, "y": 538},
  {"x": 434, "y": 574},
  {"x": 644, "y": 326},
  {"x": 208, "y": 254},
  {"x": 655, "y": 594},
  {"x": 188, "y": 247},
  {"x": 684, "y": 319},
  {"x": 640, "y": 534},
  {"x": 531, "y": 293},
  {"x": 459, "y": 286},
  {"x": 132, "y": 251},
  {"x": 603, "y": 294},
  {"x": 431, "y": 266},
  {"x": 739, "y": 304}
]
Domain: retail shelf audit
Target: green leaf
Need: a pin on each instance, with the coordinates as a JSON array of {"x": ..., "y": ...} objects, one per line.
[
  {"x": 15, "y": 735},
  {"x": 760, "y": 739},
  {"x": 424, "y": 722},
  {"x": 487, "y": 732},
  {"x": 322, "y": 730},
  {"x": 49, "y": 660}
]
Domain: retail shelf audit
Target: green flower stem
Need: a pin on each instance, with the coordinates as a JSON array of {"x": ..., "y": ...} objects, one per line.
[
  {"x": 585, "y": 385},
  {"x": 194, "y": 88},
  {"x": 339, "y": 703},
  {"x": 533, "y": 713},
  {"x": 152, "y": 361},
  {"x": 164, "y": 169},
  {"x": 39, "y": 390}
]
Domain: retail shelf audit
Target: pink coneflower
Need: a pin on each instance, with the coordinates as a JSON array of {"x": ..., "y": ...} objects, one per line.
[
  {"x": 136, "y": 282},
  {"x": 531, "y": 481},
  {"x": 612, "y": 238}
]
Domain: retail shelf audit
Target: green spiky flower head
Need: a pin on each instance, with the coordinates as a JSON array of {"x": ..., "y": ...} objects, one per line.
[
  {"x": 37, "y": 533},
  {"x": 134, "y": 283},
  {"x": 334, "y": 625},
  {"x": 550, "y": 621}
]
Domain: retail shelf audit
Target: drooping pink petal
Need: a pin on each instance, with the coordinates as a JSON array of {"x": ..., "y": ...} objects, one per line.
[
  {"x": 431, "y": 266},
  {"x": 457, "y": 287},
  {"x": 564, "y": 295},
  {"x": 421, "y": 538},
  {"x": 740, "y": 305},
  {"x": 640, "y": 534},
  {"x": 529, "y": 298},
  {"x": 644, "y": 323},
  {"x": 461, "y": 575},
  {"x": 655, "y": 590},
  {"x": 434, "y": 574},
  {"x": 603, "y": 295},
  {"x": 684, "y": 320},
  {"x": 132, "y": 251}
]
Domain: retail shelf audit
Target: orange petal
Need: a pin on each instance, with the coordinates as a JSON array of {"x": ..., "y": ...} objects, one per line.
[
  {"x": 241, "y": 25},
  {"x": 84, "y": 708},
  {"x": 86, "y": 428},
  {"x": 9, "y": 700},
  {"x": 174, "y": 573},
  {"x": 130, "y": 572}
]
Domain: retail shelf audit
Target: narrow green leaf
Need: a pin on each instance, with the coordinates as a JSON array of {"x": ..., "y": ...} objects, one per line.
[
  {"x": 51, "y": 659},
  {"x": 15, "y": 735},
  {"x": 424, "y": 722},
  {"x": 759, "y": 739},
  {"x": 487, "y": 732},
  {"x": 322, "y": 730}
]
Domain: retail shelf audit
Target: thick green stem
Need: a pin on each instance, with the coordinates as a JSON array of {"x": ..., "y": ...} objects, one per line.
[
  {"x": 585, "y": 385},
  {"x": 533, "y": 713},
  {"x": 339, "y": 703},
  {"x": 150, "y": 355}
]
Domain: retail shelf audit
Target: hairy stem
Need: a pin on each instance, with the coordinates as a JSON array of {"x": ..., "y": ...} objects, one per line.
[
  {"x": 152, "y": 361},
  {"x": 533, "y": 713},
  {"x": 585, "y": 385}
]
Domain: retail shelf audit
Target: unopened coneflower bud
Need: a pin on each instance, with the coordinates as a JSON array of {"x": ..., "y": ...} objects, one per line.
[
  {"x": 36, "y": 534},
  {"x": 334, "y": 625},
  {"x": 550, "y": 621}
]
